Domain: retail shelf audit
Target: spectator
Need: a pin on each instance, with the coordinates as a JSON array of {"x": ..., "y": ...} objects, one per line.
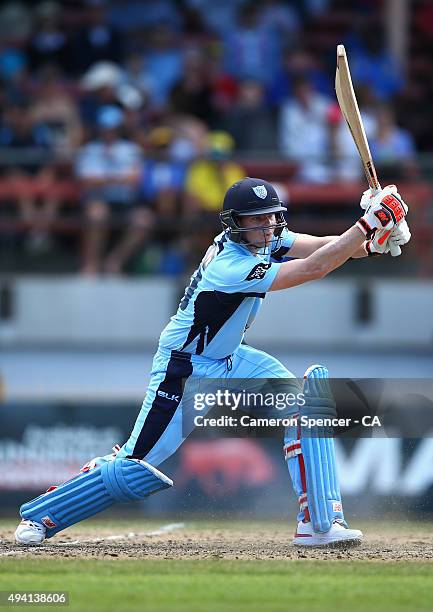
[
  {"x": 12, "y": 63},
  {"x": 132, "y": 15},
  {"x": 30, "y": 174},
  {"x": 314, "y": 8},
  {"x": 100, "y": 88},
  {"x": 55, "y": 107},
  {"x": 304, "y": 131},
  {"x": 15, "y": 78},
  {"x": 194, "y": 27},
  {"x": 392, "y": 148},
  {"x": 48, "y": 43},
  {"x": 191, "y": 138},
  {"x": 106, "y": 84},
  {"x": 163, "y": 63},
  {"x": 371, "y": 64},
  {"x": 162, "y": 177},
  {"x": 209, "y": 178},
  {"x": 192, "y": 94},
  {"x": 97, "y": 40},
  {"x": 347, "y": 162},
  {"x": 250, "y": 122},
  {"x": 217, "y": 16},
  {"x": 109, "y": 170},
  {"x": 15, "y": 21},
  {"x": 138, "y": 75},
  {"x": 298, "y": 62},
  {"x": 281, "y": 18},
  {"x": 252, "y": 49},
  {"x": 225, "y": 87}
]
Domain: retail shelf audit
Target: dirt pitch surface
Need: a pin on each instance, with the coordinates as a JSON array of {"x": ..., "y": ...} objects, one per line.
[{"x": 204, "y": 540}]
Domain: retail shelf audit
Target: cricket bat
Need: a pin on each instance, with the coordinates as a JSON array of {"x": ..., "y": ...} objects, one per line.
[{"x": 350, "y": 110}]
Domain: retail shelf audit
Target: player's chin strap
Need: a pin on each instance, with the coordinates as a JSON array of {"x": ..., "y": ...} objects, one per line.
[
  {"x": 101, "y": 483},
  {"x": 310, "y": 455}
]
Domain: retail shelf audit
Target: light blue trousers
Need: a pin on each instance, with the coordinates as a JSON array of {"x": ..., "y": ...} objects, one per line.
[{"x": 157, "y": 433}]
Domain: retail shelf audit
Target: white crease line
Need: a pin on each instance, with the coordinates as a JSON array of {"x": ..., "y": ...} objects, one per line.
[
  {"x": 128, "y": 536},
  {"x": 165, "y": 529},
  {"x": 12, "y": 552}
]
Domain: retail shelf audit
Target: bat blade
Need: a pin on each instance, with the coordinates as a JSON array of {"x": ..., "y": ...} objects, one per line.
[{"x": 350, "y": 110}]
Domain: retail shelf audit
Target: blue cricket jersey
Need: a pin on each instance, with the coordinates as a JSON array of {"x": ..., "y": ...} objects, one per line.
[{"x": 223, "y": 298}]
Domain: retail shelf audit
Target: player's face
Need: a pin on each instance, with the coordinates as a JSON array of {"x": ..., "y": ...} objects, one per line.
[{"x": 262, "y": 229}]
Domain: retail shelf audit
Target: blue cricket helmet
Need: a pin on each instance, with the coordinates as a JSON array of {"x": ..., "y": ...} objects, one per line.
[{"x": 251, "y": 196}]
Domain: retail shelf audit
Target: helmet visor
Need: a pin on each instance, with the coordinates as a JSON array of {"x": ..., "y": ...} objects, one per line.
[{"x": 262, "y": 211}]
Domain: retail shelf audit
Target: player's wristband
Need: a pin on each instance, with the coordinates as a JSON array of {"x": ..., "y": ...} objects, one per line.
[
  {"x": 367, "y": 248},
  {"x": 365, "y": 228}
]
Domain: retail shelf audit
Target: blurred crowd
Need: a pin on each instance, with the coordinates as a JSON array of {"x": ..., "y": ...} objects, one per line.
[{"x": 149, "y": 108}]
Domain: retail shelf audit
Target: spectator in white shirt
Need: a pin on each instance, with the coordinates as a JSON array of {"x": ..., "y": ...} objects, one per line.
[{"x": 304, "y": 131}]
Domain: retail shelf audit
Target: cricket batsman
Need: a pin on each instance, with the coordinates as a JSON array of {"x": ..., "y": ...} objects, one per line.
[{"x": 204, "y": 340}]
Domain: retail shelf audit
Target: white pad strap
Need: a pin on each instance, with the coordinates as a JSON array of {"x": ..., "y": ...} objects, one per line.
[{"x": 292, "y": 448}]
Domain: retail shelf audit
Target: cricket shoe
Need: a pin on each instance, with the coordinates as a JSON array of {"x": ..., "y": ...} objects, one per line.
[
  {"x": 338, "y": 536},
  {"x": 30, "y": 533}
]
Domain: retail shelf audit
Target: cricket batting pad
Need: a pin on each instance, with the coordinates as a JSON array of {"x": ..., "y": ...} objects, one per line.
[
  {"x": 94, "y": 490},
  {"x": 311, "y": 456}
]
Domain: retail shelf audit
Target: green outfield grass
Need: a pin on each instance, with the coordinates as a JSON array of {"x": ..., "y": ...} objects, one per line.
[{"x": 212, "y": 585}]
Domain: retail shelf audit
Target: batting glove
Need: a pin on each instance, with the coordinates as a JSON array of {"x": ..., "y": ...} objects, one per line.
[
  {"x": 383, "y": 242},
  {"x": 386, "y": 209},
  {"x": 400, "y": 235},
  {"x": 368, "y": 197}
]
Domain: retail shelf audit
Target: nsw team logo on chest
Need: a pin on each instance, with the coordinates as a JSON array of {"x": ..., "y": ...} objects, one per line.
[{"x": 260, "y": 191}]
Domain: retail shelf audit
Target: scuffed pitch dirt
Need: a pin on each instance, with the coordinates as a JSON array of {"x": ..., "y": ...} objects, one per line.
[{"x": 192, "y": 542}]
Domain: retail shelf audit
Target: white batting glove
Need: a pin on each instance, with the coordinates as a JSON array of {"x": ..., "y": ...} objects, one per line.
[
  {"x": 378, "y": 244},
  {"x": 384, "y": 212},
  {"x": 383, "y": 242},
  {"x": 400, "y": 235},
  {"x": 368, "y": 197}
]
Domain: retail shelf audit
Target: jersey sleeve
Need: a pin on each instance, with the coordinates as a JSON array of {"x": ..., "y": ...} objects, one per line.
[{"x": 248, "y": 275}]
